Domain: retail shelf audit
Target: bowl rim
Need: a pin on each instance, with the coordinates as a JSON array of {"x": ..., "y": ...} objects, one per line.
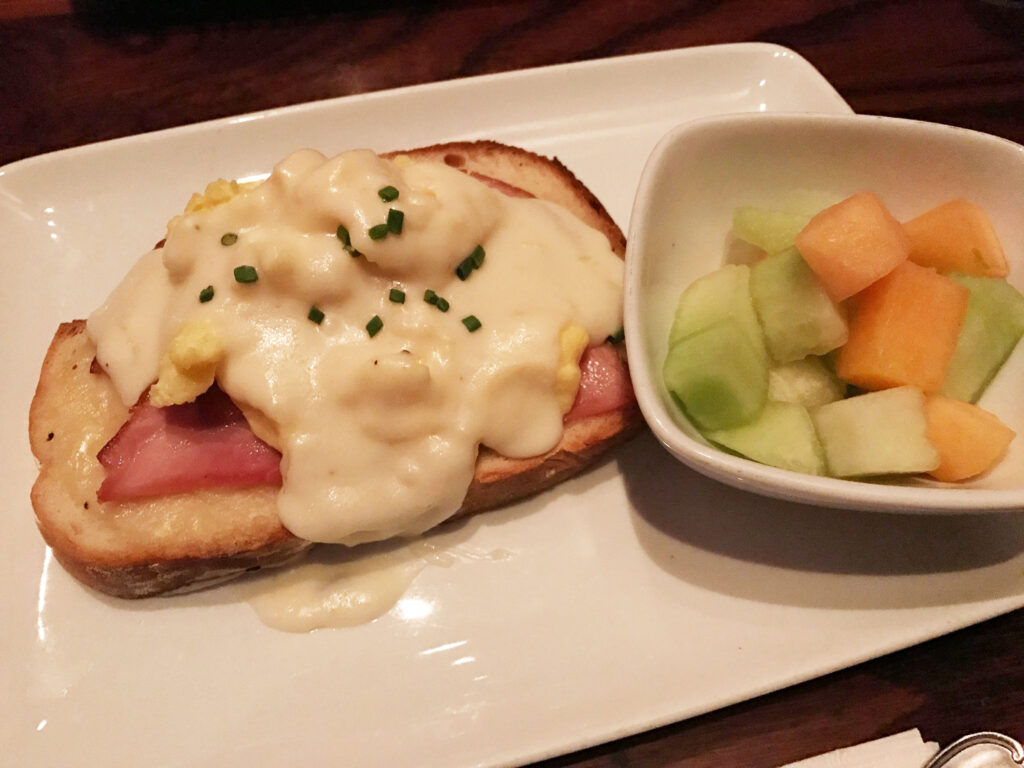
[{"x": 875, "y": 494}]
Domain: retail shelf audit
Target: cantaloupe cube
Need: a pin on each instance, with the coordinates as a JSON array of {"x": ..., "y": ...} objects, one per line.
[
  {"x": 969, "y": 439},
  {"x": 852, "y": 244},
  {"x": 956, "y": 236},
  {"x": 904, "y": 330}
]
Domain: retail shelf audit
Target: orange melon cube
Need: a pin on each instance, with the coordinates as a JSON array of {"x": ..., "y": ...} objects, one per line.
[
  {"x": 904, "y": 330},
  {"x": 957, "y": 236},
  {"x": 969, "y": 439},
  {"x": 852, "y": 244}
]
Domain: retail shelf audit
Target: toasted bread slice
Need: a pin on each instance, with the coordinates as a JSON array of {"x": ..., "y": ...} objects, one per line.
[{"x": 191, "y": 540}]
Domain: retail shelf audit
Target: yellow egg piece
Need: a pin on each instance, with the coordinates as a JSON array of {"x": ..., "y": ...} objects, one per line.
[
  {"x": 216, "y": 193},
  {"x": 572, "y": 341},
  {"x": 189, "y": 365}
]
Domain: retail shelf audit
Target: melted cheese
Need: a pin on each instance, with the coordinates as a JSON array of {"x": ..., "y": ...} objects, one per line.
[{"x": 380, "y": 433}]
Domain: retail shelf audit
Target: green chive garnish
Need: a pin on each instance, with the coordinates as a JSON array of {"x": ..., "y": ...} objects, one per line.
[
  {"x": 397, "y": 296},
  {"x": 471, "y": 262},
  {"x": 387, "y": 194},
  {"x": 477, "y": 257},
  {"x": 246, "y": 274},
  {"x": 395, "y": 220},
  {"x": 229, "y": 238},
  {"x": 378, "y": 231},
  {"x": 432, "y": 298},
  {"x": 616, "y": 337},
  {"x": 346, "y": 242},
  {"x": 471, "y": 323},
  {"x": 316, "y": 314},
  {"x": 373, "y": 327},
  {"x": 206, "y": 294}
]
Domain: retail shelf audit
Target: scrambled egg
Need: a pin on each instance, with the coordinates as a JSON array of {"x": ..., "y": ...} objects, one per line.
[
  {"x": 188, "y": 368},
  {"x": 572, "y": 340},
  {"x": 216, "y": 192}
]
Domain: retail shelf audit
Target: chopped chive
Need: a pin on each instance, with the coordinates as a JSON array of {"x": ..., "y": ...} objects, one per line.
[
  {"x": 432, "y": 298},
  {"x": 316, "y": 314},
  {"x": 378, "y": 231},
  {"x": 228, "y": 238},
  {"x": 387, "y": 194},
  {"x": 246, "y": 274},
  {"x": 616, "y": 337},
  {"x": 471, "y": 323},
  {"x": 397, "y": 296},
  {"x": 471, "y": 262},
  {"x": 373, "y": 327},
  {"x": 206, "y": 294},
  {"x": 346, "y": 242},
  {"x": 395, "y": 220}
]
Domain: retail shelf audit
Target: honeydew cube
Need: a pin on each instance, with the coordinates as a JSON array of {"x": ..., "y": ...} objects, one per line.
[
  {"x": 993, "y": 324},
  {"x": 769, "y": 229},
  {"x": 852, "y": 244},
  {"x": 717, "y": 375},
  {"x": 879, "y": 433},
  {"x": 957, "y": 236},
  {"x": 782, "y": 435},
  {"x": 797, "y": 316},
  {"x": 719, "y": 295},
  {"x": 808, "y": 382}
]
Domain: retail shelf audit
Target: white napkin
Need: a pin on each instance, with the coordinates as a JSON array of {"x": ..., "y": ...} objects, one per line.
[{"x": 901, "y": 750}]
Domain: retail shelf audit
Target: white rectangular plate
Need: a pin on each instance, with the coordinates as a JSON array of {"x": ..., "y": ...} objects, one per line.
[{"x": 636, "y": 595}]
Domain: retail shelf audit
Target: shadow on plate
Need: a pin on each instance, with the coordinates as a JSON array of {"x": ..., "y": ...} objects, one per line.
[{"x": 738, "y": 543}]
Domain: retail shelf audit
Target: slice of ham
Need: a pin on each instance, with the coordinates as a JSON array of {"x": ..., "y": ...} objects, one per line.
[
  {"x": 180, "y": 448},
  {"x": 208, "y": 444},
  {"x": 604, "y": 383}
]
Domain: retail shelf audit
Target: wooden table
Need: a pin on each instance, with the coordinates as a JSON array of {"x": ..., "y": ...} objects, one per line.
[{"x": 78, "y": 72}]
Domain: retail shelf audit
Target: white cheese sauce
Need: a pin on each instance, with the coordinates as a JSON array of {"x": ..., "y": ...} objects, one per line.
[
  {"x": 358, "y": 589},
  {"x": 379, "y": 434}
]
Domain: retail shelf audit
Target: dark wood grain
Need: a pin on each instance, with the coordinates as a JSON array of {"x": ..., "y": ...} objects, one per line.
[{"x": 108, "y": 70}]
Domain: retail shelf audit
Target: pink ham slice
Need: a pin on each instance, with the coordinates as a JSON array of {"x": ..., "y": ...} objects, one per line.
[
  {"x": 208, "y": 444},
  {"x": 204, "y": 444},
  {"x": 604, "y": 383}
]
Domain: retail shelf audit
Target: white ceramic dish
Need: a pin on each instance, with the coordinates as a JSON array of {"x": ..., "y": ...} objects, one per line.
[
  {"x": 703, "y": 170},
  {"x": 639, "y": 594}
]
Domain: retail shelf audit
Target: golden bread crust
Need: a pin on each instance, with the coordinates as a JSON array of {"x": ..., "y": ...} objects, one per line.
[{"x": 191, "y": 540}]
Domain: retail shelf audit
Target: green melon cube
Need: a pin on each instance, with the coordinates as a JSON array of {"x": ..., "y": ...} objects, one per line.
[
  {"x": 718, "y": 376},
  {"x": 993, "y": 325},
  {"x": 719, "y": 295},
  {"x": 808, "y": 382},
  {"x": 772, "y": 230},
  {"x": 797, "y": 316},
  {"x": 782, "y": 435},
  {"x": 880, "y": 433}
]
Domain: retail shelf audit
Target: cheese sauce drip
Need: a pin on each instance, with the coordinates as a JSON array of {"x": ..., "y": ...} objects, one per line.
[{"x": 379, "y": 433}]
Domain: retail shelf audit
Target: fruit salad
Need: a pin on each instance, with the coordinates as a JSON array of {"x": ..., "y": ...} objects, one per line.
[{"x": 854, "y": 345}]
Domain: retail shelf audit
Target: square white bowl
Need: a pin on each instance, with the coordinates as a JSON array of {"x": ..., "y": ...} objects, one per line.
[{"x": 701, "y": 171}]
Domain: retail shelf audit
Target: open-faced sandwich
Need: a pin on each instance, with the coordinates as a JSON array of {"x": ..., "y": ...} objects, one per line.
[{"x": 356, "y": 348}]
